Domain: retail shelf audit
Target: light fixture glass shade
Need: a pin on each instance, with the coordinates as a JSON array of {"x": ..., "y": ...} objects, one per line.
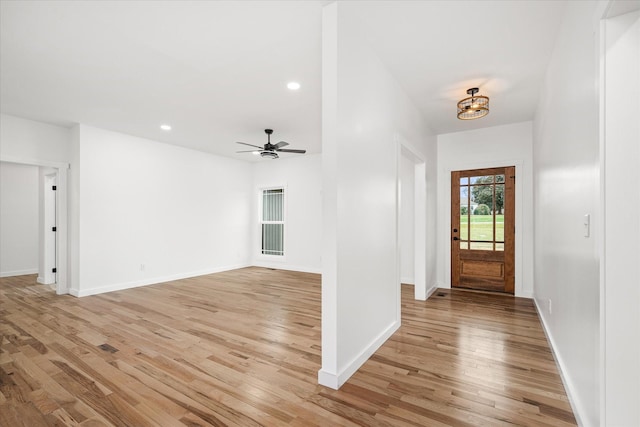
[{"x": 473, "y": 107}]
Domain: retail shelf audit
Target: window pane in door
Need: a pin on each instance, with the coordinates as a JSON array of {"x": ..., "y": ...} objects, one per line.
[
  {"x": 482, "y": 246},
  {"x": 464, "y": 227},
  {"x": 481, "y": 226},
  {"x": 464, "y": 213},
  {"x": 487, "y": 179}
]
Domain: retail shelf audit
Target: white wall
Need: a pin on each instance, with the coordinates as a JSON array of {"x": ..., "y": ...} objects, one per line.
[
  {"x": 151, "y": 212},
  {"x": 365, "y": 117},
  {"x": 302, "y": 178},
  {"x": 508, "y": 145},
  {"x": 566, "y": 188},
  {"x": 23, "y": 140},
  {"x": 407, "y": 210},
  {"x": 18, "y": 219},
  {"x": 620, "y": 163}
]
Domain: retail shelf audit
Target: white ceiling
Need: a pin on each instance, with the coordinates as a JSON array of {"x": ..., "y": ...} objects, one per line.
[{"x": 217, "y": 71}]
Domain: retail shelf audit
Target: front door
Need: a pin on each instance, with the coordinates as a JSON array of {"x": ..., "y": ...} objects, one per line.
[{"x": 483, "y": 229}]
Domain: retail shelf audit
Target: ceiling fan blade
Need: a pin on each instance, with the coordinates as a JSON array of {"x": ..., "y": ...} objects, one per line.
[
  {"x": 284, "y": 150},
  {"x": 281, "y": 144},
  {"x": 248, "y": 151},
  {"x": 250, "y": 145}
]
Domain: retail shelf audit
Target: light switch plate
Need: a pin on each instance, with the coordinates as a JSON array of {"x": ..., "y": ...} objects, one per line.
[{"x": 587, "y": 225}]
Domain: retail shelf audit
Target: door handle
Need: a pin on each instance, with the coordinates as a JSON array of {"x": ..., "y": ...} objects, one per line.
[{"x": 455, "y": 238}]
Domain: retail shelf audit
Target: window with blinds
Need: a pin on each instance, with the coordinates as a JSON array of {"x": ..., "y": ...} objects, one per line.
[{"x": 272, "y": 221}]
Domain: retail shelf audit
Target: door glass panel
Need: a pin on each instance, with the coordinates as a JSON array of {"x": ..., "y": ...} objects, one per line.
[
  {"x": 487, "y": 179},
  {"x": 481, "y": 226},
  {"x": 499, "y": 212},
  {"x": 464, "y": 227},
  {"x": 499, "y": 199},
  {"x": 482, "y": 212},
  {"x": 464, "y": 213},
  {"x": 483, "y": 246}
]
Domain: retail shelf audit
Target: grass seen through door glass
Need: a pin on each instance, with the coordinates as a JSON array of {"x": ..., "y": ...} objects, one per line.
[{"x": 482, "y": 227}]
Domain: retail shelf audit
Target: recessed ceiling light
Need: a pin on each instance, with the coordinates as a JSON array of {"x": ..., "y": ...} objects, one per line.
[
  {"x": 293, "y": 85},
  {"x": 165, "y": 127}
]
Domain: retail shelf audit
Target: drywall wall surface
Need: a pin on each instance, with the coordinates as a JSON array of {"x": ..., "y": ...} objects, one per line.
[
  {"x": 620, "y": 165},
  {"x": 151, "y": 212},
  {"x": 566, "y": 172},
  {"x": 75, "y": 258},
  {"x": 301, "y": 178},
  {"x": 407, "y": 211},
  {"x": 366, "y": 115},
  {"x": 18, "y": 219},
  {"x": 25, "y": 139},
  {"x": 508, "y": 145}
]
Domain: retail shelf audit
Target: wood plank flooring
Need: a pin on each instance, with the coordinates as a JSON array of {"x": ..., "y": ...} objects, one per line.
[{"x": 242, "y": 348}]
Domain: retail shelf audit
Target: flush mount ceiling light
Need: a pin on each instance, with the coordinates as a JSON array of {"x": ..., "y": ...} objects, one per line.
[
  {"x": 293, "y": 85},
  {"x": 165, "y": 127},
  {"x": 474, "y": 106}
]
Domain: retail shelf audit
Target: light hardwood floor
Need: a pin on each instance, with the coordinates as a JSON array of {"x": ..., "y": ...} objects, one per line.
[{"x": 243, "y": 348}]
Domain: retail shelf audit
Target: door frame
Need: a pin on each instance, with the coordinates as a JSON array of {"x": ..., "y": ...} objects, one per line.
[
  {"x": 62, "y": 169},
  {"x": 49, "y": 238},
  {"x": 404, "y": 148},
  {"x": 445, "y": 214}
]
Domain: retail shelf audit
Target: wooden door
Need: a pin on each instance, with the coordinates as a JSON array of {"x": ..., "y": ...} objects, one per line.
[{"x": 483, "y": 229}]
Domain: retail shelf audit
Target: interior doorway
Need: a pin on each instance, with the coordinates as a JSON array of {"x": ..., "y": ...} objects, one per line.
[
  {"x": 412, "y": 252},
  {"x": 58, "y": 247},
  {"x": 483, "y": 229}
]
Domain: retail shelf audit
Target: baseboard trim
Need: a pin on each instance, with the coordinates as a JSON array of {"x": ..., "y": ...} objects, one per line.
[
  {"x": 562, "y": 367},
  {"x": 42, "y": 281},
  {"x": 407, "y": 281},
  {"x": 152, "y": 281},
  {"x": 525, "y": 294},
  {"x": 19, "y": 272},
  {"x": 336, "y": 380},
  {"x": 431, "y": 291}
]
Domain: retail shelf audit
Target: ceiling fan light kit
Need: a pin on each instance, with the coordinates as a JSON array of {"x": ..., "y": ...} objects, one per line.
[
  {"x": 473, "y": 107},
  {"x": 270, "y": 151},
  {"x": 269, "y": 154}
]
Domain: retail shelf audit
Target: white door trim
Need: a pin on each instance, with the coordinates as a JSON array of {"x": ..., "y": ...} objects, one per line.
[{"x": 419, "y": 218}]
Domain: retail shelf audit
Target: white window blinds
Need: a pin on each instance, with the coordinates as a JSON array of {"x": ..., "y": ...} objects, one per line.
[{"x": 273, "y": 221}]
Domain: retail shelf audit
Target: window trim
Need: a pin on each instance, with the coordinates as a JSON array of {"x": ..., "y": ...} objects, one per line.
[{"x": 272, "y": 257}]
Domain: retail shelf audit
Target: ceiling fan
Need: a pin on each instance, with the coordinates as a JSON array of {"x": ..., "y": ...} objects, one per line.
[{"x": 270, "y": 150}]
